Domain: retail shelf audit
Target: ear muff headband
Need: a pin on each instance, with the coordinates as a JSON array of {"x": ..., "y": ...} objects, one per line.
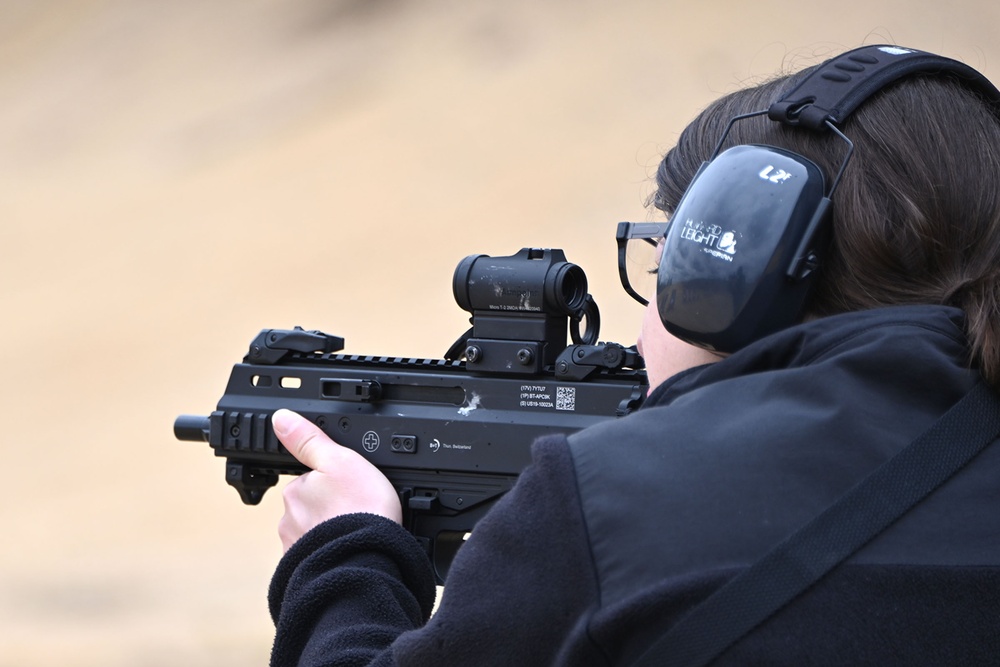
[
  {"x": 836, "y": 88},
  {"x": 749, "y": 232}
]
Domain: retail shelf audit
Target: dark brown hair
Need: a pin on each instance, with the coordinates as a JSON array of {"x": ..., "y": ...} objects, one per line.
[{"x": 916, "y": 218}]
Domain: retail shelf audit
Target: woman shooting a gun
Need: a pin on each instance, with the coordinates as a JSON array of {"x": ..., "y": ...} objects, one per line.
[{"x": 828, "y": 287}]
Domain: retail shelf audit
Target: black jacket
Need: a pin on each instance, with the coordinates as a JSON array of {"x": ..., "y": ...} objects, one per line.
[{"x": 614, "y": 533}]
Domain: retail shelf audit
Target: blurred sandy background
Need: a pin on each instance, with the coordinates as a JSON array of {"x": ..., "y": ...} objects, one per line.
[{"x": 176, "y": 176}]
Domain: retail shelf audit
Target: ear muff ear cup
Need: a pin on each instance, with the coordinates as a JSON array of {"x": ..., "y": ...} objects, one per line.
[{"x": 738, "y": 258}]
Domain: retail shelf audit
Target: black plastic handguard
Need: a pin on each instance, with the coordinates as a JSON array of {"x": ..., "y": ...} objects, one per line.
[{"x": 451, "y": 441}]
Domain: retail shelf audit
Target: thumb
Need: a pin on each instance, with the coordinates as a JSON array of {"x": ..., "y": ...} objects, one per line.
[{"x": 303, "y": 439}]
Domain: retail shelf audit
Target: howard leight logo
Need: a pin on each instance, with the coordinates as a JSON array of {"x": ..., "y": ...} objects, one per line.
[{"x": 712, "y": 239}]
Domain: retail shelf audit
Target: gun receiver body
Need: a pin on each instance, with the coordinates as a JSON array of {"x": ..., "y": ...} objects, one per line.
[{"x": 452, "y": 435}]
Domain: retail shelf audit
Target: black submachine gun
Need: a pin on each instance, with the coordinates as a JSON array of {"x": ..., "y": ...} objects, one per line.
[{"x": 452, "y": 434}]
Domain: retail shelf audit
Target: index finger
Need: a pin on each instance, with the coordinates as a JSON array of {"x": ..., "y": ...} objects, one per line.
[{"x": 303, "y": 439}]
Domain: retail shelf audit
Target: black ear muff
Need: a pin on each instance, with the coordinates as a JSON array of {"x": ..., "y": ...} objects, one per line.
[
  {"x": 749, "y": 233},
  {"x": 737, "y": 262}
]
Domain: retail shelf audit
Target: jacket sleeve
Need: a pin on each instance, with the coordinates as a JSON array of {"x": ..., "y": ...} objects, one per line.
[
  {"x": 346, "y": 590},
  {"x": 518, "y": 589}
]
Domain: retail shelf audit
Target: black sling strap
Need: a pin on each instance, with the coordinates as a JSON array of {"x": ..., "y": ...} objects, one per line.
[{"x": 754, "y": 595}]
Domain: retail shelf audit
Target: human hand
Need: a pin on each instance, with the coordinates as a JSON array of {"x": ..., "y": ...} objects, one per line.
[{"x": 341, "y": 482}]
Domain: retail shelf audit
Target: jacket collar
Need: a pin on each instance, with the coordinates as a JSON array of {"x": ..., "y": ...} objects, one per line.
[{"x": 801, "y": 344}]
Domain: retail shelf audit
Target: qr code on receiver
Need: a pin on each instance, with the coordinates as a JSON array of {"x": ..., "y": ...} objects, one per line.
[{"x": 565, "y": 398}]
